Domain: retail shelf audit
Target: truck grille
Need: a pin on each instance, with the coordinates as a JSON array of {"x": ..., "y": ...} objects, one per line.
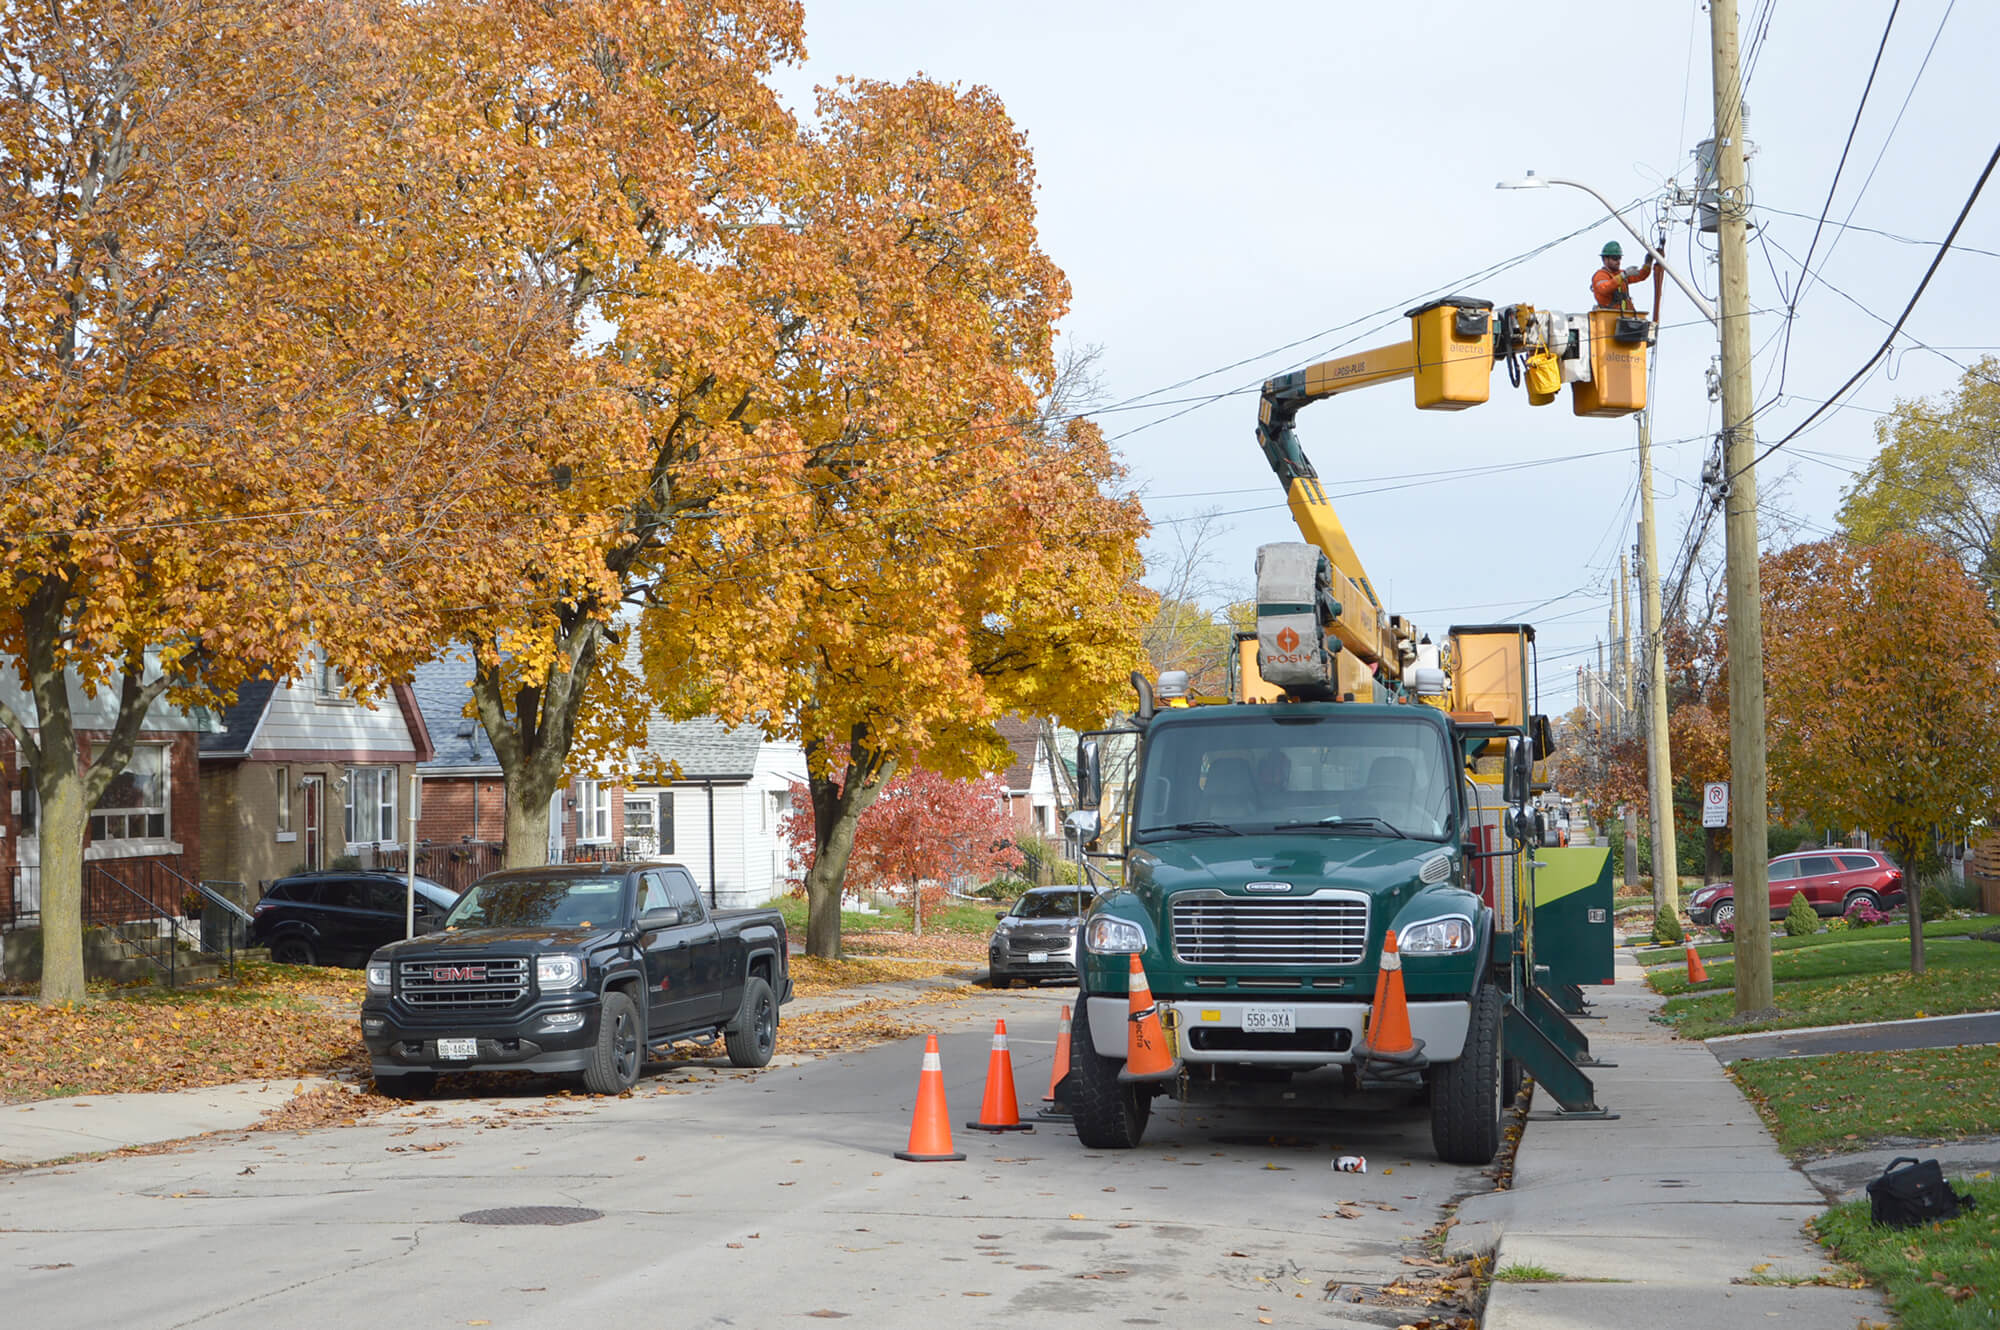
[
  {"x": 465, "y": 985},
  {"x": 1223, "y": 930}
]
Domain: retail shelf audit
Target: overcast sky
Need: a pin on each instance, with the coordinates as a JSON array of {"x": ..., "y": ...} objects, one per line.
[{"x": 1234, "y": 190}]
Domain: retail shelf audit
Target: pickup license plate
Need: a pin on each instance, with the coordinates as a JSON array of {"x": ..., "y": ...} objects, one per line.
[
  {"x": 1270, "y": 1020},
  {"x": 458, "y": 1048},
  {"x": 1038, "y": 958}
]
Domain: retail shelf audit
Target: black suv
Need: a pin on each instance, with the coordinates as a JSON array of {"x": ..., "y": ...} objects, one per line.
[{"x": 340, "y": 917}]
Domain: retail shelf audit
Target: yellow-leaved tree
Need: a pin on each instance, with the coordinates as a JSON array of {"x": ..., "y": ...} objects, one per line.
[
  {"x": 948, "y": 552},
  {"x": 262, "y": 374}
]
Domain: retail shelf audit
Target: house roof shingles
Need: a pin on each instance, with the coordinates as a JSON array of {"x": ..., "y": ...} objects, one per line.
[{"x": 239, "y": 721}]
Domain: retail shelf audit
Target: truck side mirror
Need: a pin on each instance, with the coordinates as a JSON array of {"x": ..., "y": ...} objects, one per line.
[
  {"x": 1518, "y": 783},
  {"x": 666, "y": 916},
  {"x": 1089, "y": 773}
]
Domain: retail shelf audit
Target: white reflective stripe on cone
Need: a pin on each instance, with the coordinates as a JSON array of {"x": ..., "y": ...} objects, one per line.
[{"x": 932, "y": 1062}]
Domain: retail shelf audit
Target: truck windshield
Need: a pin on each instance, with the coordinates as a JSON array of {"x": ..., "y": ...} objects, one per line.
[
  {"x": 1368, "y": 775},
  {"x": 552, "y": 902}
]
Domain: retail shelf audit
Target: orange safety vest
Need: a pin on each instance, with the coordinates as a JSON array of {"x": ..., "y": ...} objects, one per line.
[{"x": 1610, "y": 288}]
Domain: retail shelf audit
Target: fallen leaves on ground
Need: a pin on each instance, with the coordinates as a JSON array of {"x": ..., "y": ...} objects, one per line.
[
  {"x": 325, "y": 1106},
  {"x": 960, "y": 947},
  {"x": 177, "y": 1041},
  {"x": 813, "y": 976},
  {"x": 875, "y": 1021}
]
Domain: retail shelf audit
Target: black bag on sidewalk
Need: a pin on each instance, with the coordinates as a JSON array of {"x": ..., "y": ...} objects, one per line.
[{"x": 1912, "y": 1195}]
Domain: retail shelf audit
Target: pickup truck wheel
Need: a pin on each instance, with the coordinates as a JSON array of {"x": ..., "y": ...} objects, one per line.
[
  {"x": 1107, "y": 1113},
  {"x": 753, "y": 1036},
  {"x": 409, "y": 1085},
  {"x": 614, "y": 1062},
  {"x": 1465, "y": 1095},
  {"x": 294, "y": 951}
]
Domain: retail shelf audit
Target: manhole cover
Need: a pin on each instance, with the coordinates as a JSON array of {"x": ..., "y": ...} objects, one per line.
[{"x": 533, "y": 1214}]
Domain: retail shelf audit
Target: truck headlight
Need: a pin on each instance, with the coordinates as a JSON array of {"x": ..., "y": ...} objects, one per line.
[
  {"x": 1435, "y": 937},
  {"x": 1107, "y": 933},
  {"x": 378, "y": 976},
  {"x": 555, "y": 973}
]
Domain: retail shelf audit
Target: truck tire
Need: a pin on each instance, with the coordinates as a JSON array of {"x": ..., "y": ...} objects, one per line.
[
  {"x": 1107, "y": 1113},
  {"x": 614, "y": 1061},
  {"x": 1465, "y": 1095},
  {"x": 753, "y": 1036}
]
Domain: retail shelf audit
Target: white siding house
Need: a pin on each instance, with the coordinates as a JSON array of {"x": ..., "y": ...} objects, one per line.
[{"x": 720, "y": 817}]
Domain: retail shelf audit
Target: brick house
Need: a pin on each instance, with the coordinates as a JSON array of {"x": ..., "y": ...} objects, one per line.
[
  {"x": 300, "y": 774},
  {"x": 1030, "y": 780},
  {"x": 462, "y": 812},
  {"x": 143, "y": 840}
]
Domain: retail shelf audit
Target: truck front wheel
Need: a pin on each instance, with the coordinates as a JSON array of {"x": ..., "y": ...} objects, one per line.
[
  {"x": 614, "y": 1059},
  {"x": 1465, "y": 1095},
  {"x": 753, "y": 1035},
  {"x": 1107, "y": 1114}
]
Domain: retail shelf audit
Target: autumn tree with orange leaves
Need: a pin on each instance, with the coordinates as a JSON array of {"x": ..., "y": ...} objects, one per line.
[
  {"x": 947, "y": 553},
  {"x": 1881, "y": 662},
  {"x": 259, "y": 373}
]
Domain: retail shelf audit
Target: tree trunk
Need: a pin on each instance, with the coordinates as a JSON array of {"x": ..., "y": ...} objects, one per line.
[
  {"x": 837, "y": 810},
  {"x": 66, "y": 787},
  {"x": 531, "y": 725},
  {"x": 1711, "y": 863}
]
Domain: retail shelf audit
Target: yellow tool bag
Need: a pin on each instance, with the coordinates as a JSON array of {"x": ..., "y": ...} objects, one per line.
[{"x": 1544, "y": 377}]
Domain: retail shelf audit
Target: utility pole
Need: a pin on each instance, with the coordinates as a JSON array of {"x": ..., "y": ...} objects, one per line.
[
  {"x": 1625, "y": 640},
  {"x": 1747, "y": 784},
  {"x": 1653, "y": 690}
]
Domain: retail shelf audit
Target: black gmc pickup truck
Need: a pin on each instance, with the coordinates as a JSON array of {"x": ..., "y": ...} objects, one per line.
[{"x": 574, "y": 968}]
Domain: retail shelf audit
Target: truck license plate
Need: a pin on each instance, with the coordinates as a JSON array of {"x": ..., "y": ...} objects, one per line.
[
  {"x": 458, "y": 1048},
  {"x": 1270, "y": 1020},
  {"x": 1038, "y": 958}
]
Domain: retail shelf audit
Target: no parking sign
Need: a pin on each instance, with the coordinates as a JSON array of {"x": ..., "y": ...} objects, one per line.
[{"x": 1715, "y": 804}]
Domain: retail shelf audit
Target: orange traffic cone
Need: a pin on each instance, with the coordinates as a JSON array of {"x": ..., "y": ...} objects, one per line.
[
  {"x": 1060, "y": 1067},
  {"x": 1000, "y": 1110},
  {"x": 1697, "y": 972},
  {"x": 1147, "y": 1057},
  {"x": 930, "y": 1125},
  {"x": 1056, "y": 1101},
  {"x": 1388, "y": 1038}
]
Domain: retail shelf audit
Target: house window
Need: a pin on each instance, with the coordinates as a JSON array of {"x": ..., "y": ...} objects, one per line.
[
  {"x": 371, "y": 805},
  {"x": 281, "y": 778},
  {"x": 134, "y": 806},
  {"x": 593, "y": 812},
  {"x": 327, "y": 683},
  {"x": 641, "y": 838}
]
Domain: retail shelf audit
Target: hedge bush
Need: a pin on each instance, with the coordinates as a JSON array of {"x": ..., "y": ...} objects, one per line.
[
  {"x": 1667, "y": 928},
  {"x": 1800, "y": 919}
]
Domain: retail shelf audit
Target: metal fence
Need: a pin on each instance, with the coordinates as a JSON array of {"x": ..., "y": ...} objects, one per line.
[{"x": 459, "y": 866}]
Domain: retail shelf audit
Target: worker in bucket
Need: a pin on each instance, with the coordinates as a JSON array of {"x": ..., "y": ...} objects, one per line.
[{"x": 1611, "y": 284}]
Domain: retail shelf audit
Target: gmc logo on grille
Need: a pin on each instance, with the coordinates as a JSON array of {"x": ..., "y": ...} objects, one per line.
[
  {"x": 1267, "y": 886},
  {"x": 445, "y": 974}
]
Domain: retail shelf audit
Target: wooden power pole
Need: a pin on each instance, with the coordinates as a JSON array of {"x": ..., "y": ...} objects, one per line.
[{"x": 1749, "y": 815}]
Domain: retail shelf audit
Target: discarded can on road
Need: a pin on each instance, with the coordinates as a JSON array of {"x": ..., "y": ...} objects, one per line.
[{"x": 1351, "y": 1164}]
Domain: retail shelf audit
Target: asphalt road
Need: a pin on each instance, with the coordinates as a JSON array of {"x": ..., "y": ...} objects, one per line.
[
  {"x": 1886, "y": 1036},
  {"x": 741, "y": 1199}
]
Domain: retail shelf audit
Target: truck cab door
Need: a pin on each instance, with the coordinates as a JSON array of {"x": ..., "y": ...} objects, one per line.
[
  {"x": 717, "y": 960},
  {"x": 673, "y": 996}
]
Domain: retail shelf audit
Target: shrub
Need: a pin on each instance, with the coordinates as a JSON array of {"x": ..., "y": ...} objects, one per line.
[
  {"x": 1934, "y": 903},
  {"x": 1800, "y": 920},
  {"x": 1667, "y": 928},
  {"x": 1727, "y": 928},
  {"x": 1863, "y": 915}
]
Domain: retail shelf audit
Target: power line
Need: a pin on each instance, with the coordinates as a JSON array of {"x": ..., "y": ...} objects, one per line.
[{"x": 1897, "y": 327}]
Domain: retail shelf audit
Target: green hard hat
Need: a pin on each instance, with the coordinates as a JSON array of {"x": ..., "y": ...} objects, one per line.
[{"x": 1612, "y": 250}]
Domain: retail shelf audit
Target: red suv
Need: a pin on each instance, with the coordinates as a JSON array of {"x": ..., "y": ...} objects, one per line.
[{"x": 1831, "y": 880}]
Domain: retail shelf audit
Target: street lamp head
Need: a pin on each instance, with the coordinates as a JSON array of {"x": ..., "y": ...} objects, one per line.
[{"x": 1528, "y": 181}]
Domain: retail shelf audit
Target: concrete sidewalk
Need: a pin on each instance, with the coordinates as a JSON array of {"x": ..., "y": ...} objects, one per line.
[
  {"x": 1655, "y": 1220},
  {"x": 51, "y": 1129}
]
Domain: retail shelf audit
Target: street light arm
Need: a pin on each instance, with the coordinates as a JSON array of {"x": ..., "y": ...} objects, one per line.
[{"x": 1699, "y": 303}]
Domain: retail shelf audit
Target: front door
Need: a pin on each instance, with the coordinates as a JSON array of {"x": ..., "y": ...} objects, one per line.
[{"x": 312, "y": 790}]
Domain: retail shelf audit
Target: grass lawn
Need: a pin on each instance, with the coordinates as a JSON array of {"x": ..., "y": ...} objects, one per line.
[
  {"x": 1838, "y": 954},
  {"x": 1959, "y": 976},
  {"x": 1846, "y": 1101},
  {"x": 1882, "y": 933},
  {"x": 1939, "y": 1277}
]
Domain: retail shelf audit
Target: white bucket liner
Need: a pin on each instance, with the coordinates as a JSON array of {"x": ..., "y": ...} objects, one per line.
[{"x": 1294, "y": 605}]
